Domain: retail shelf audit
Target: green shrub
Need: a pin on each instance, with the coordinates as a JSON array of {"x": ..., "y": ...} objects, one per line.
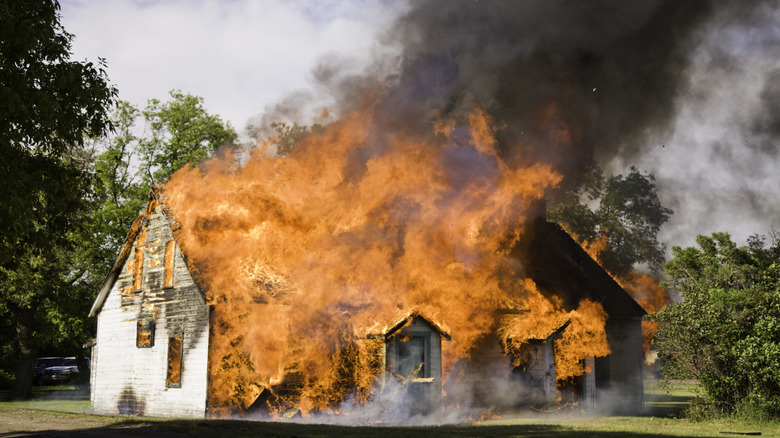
[{"x": 726, "y": 331}]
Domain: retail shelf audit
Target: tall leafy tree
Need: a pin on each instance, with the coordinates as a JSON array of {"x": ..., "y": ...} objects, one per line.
[
  {"x": 181, "y": 132},
  {"x": 623, "y": 211},
  {"x": 48, "y": 103},
  {"x": 725, "y": 333},
  {"x": 175, "y": 133},
  {"x": 119, "y": 189}
]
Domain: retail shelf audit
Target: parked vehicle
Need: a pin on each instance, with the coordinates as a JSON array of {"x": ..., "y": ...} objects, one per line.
[
  {"x": 62, "y": 373},
  {"x": 41, "y": 364}
]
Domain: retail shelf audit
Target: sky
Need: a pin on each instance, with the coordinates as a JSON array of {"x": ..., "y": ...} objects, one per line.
[
  {"x": 239, "y": 55},
  {"x": 717, "y": 163}
]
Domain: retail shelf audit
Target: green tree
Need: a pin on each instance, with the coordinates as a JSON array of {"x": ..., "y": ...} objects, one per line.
[
  {"x": 177, "y": 132},
  {"x": 119, "y": 189},
  {"x": 622, "y": 210},
  {"x": 288, "y": 136},
  {"x": 726, "y": 331},
  {"x": 48, "y": 104},
  {"x": 181, "y": 132}
]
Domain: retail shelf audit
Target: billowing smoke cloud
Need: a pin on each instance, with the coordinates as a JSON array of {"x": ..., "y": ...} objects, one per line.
[
  {"x": 477, "y": 96},
  {"x": 687, "y": 90},
  {"x": 568, "y": 79},
  {"x": 717, "y": 165}
]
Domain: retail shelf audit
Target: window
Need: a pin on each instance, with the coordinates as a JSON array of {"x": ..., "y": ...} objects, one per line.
[
  {"x": 411, "y": 354},
  {"x": 138, "y": 269},
  {"x": 173, "y": 379},
  {"x": 170, "y": 252},
  {"x": 144, "y": 335},
  {"x": 138, "y": 262}
]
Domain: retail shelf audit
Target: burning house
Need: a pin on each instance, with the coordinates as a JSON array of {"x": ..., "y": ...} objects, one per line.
[
  {"x": 403, "y": 239},
  {"x": 166, "y": 346}
]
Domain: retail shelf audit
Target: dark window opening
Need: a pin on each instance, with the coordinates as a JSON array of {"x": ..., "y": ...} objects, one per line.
[
  {"x": 173, "y": 379},
  {"x": 411, "y": 355},
  {"x": 144, "y": 335}
]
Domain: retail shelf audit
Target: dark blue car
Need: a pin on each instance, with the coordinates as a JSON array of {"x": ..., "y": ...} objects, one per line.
[
  {"x": 62, "y": 372},
  {"x": 41, "y": 364}
]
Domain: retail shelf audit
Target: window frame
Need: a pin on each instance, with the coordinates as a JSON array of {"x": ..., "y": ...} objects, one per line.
[
  {"x": 169, "y": 264},
  {"x": 426, "y": 336},
  {"x": 174, "y": 380},
  {"x": 145, "y": 322}
]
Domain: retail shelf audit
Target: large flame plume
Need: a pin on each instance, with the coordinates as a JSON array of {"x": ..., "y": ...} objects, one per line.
[{"x": 303, "y": 256}]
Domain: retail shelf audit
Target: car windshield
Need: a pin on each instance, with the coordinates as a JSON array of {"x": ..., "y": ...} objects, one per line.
[
  {"x": 48, "y": 362},
  {"x": 69, "y": 363}
]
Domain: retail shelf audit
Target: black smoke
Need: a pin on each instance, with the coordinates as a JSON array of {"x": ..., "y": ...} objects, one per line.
[
  {"x": 573, "y": 82},
  {"x": 568, "y": 81}
]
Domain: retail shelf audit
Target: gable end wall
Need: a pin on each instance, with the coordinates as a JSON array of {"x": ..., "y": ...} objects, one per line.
[{"x": 128, "y": 380}]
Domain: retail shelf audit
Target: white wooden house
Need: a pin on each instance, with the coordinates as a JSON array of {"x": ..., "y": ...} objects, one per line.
[
  {"x": 561, "y": 268},
  {"x": 151, "y": 351}
]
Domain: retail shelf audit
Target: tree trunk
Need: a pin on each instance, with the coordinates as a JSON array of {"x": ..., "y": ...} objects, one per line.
[
  {"x": 26, "y": 362},
  {"x": 82, "y": 379}
]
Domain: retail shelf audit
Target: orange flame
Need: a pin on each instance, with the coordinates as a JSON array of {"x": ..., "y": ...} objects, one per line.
[
  {"x": 642, "y": 287},
  {"x": 582, "y": 332},
  {"x": 303, "y": 256},
  {"x": 651, "y": 296},
  {"x": 584, "y": 337}
]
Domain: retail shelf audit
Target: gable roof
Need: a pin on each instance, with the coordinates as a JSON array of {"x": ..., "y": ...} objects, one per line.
[
  {"x": 560, "y": 267},
  {"x": 155, "y": 200},
  {"x": 406, "y": 320},
  {"x": 535, "y": 330}
]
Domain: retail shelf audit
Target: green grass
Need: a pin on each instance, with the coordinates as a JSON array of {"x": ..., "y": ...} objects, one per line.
[
  {"x": 662, "y": 404},
  {"x": 52, "y": 398},
  {"x": 668, "y": 400},
  {"x": 75, "y": 406},
  {"x": 548, "y": 427},
  {"x": 646, "y": 426}
]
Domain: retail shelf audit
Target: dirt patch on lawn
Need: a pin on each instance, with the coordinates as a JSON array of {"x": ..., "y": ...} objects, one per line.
[{"x": 39, "y": 423}]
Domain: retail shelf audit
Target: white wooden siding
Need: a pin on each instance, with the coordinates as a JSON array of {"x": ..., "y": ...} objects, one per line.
[{"x": 129, "y": 380}]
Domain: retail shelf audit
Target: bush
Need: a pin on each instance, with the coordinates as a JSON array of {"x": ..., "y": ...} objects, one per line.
[{"x": 726, "y": 331}]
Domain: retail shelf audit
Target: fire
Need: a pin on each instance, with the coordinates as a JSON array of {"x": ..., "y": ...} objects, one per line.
[
  {"x": 642, "y": 287},
  {"x": 305, "y": 255},
  {"x": 584, "y": 337},
  {"x": 582, "y": 332},
  {"x": 645, "y": 290},
  {"x": 651, "y": 296}
]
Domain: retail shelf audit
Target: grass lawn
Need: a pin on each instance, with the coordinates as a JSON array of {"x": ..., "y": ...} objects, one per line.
[
  {"x": 669, "y": 401},
  {"x": 53, "y": 398},
  {"x": 659, "y": 421}
]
